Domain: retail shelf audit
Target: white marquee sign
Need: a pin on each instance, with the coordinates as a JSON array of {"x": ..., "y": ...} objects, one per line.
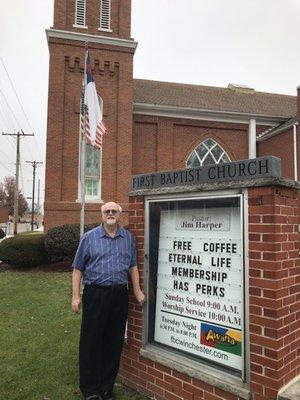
[{"x": 199, "y": 304}]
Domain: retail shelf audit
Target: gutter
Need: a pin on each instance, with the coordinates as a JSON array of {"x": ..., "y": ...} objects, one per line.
[
  {"x": 274, "y": 132},
  {"x": 295, "y": 151},
  {"x": 202, "y": 114}
]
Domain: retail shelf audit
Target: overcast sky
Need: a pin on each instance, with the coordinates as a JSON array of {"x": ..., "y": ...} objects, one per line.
[{"x": 205, "y": 42}]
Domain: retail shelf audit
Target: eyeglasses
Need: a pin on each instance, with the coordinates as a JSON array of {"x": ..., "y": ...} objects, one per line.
[{"x": 113, "y": 212}]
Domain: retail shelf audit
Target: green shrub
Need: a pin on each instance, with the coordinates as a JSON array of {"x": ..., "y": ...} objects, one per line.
[
  {"x": 24, "y": 250},
  {"x": 2, "y": 233},
  {"x": 61, "y": 242}
]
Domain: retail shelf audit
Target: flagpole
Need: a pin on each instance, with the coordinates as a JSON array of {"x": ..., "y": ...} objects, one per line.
[
  {"x": 82, "y": 164},
  {"x": 92, "y": 126},
  {"x": 82, "y": 147}
]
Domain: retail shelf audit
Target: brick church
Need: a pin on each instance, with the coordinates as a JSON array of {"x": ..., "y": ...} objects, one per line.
[{"x": 152, "y": 126}]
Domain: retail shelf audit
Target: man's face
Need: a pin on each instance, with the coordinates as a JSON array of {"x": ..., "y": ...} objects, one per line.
[{"x": 110, "y": 213}]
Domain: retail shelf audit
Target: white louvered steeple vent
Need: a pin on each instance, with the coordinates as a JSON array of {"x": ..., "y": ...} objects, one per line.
[
  {"x": 80, "y": 14},
  {"x": 105, "y": 15}
]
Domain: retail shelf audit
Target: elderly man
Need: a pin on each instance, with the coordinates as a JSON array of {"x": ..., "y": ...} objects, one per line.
[{"x": 106, "y": 256}]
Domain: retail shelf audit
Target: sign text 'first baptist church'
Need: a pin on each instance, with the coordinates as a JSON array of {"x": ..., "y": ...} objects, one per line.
[{"x": 265, "y": 167}]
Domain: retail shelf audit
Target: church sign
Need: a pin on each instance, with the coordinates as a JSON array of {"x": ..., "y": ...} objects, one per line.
[
  {"x": 264, "y": 167},
  {"x": 196, "y": 262},
  {"x": 197, "y": 273}
]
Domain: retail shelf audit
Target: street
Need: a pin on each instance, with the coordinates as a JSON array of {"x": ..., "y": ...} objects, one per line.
[{"x": 22, "y": 227}]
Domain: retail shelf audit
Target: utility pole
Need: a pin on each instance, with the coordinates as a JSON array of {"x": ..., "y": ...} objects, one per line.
[
  {"x": 16, "y": 197},
  {"x": 38, "y": 199},
  {"x": 34, "y": 165}
]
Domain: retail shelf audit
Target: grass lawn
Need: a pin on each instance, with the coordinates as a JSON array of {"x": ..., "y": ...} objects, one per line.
[{"x": 39, "y": 338}]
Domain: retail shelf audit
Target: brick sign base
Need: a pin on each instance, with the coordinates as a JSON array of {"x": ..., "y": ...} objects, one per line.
[{"x": 274, "y": 306}]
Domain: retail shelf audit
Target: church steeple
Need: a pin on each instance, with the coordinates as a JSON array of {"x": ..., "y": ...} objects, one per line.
[
  {"x": 110, "y": 18},
  {"x": 105, "y": 25}
]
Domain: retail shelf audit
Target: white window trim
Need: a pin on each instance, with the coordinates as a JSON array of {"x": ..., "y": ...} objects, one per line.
[
  {"x": 89, "y": 199},
  {"x": 93, "y": 199},
  {"x": 76, "y": 24},
  {"x": 101, "y": 27}
]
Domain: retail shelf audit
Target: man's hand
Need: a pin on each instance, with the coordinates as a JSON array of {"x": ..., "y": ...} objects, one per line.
[
  {"x": 76, "y": 301},
  {"x": 140, "y": 297},
  {"x": 138, "y": 294}
]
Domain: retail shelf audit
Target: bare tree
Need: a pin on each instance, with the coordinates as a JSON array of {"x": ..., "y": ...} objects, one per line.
[{"x": 7, "y": 190}]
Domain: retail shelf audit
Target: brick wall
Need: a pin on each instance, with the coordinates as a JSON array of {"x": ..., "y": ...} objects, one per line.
[
  {"x": 134, "y": 144},
  {"x": 167, "y": 142},
  {"x": 64, "y": 17},
  {"x": 113, "y": 76},
  {"x": 274, "y": 289},
  {"x": 273, "y": 146},
  {"x": 112, "y": 67},
  {"x": 4, "y": 214},
  {"x": 274, "y": 295}
]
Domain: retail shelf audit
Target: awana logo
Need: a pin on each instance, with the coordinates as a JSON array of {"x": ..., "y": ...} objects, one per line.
[{"x": 217, "y": 337}]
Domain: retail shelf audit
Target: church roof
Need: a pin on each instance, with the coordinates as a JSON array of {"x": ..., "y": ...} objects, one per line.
[{"x": 214, "y": 98}]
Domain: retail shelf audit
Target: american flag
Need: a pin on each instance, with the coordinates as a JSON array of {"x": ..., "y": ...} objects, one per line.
[{"x": 91, "y": 108}]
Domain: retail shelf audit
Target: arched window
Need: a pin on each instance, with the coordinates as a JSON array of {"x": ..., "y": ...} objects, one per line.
[{"x": 208, "y": 152}]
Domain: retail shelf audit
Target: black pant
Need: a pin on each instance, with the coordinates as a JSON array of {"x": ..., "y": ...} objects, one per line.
[{"x": 104, "y": 314}]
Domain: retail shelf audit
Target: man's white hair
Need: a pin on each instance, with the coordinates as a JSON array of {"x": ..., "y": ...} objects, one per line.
[{"x": 103, "y": 207}]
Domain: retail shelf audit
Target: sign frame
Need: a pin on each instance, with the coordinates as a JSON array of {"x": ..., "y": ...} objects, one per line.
[{"x": 152, "y": 346}]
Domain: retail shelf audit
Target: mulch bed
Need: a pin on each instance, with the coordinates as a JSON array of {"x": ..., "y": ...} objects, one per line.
[{"x": 62, "y": 266}]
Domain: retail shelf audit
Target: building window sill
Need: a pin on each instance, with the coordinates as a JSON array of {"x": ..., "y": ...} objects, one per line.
[
  {"x": 80, "y": 26},
  {"x": 95, "y": 201},
  {"x": 105, "y": 30}
]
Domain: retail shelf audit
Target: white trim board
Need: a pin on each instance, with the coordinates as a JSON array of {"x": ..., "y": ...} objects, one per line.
[
  {"x": 202, "y": 114},
  {"x": 85, "y": 37}
]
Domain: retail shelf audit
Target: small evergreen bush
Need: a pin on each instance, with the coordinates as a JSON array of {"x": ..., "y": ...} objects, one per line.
[
  {"x": 24, "y": 250},
  {"x": 61, "y": 242},
  {"x": 2, "y": 233}
]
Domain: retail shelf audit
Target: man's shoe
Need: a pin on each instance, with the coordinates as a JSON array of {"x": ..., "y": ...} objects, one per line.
[
  {"x": 92, "y": 397},
  {"x": 107, "y": 396}
]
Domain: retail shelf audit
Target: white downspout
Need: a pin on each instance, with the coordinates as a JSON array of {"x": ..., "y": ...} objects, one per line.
[
  {"x": 295, "y": 151},
  {"x": 252, "y": 138}
]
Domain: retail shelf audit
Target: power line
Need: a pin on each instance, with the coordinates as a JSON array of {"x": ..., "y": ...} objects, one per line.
[
  {"x": 6, "y": 118},
  {"x": 9, "y": 141},
  {"x": 10, "y": 109},
  {"x": 3, "y": 166},
  {"x": 16, "y": 94},
  {"x": 5, "y": 155},
  {"x": 22, "y": 108}
]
